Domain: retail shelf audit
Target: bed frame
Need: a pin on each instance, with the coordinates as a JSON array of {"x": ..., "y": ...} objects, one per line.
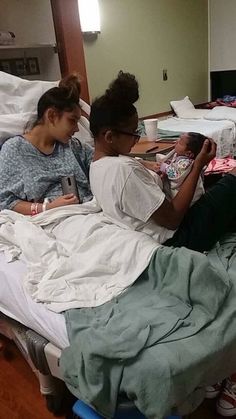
[{"x": 43, "y": 358}]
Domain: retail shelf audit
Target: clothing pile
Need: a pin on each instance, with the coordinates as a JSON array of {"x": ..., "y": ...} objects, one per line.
[
  {"x": 220, "y": 166},
  {"x": 227, "y": 100}
]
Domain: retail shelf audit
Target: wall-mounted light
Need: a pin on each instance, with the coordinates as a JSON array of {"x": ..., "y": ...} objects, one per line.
[{"x": 89, "y": 16}]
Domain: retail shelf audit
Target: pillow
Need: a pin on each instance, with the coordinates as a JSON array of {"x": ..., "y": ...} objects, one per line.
[
  {"x": 19, "y": 98},
  {"x": 181, "y": 106},
  {"x": 195, "y": 114},
  {"x": 84, "y": 134},
  {"x": 220, "y": 113},
  {"x": 20, "y": 95},
  {"x": 14, "y": 124}
]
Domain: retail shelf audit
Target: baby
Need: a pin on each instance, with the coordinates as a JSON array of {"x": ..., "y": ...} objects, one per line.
[{"x": 177, "y": 165}]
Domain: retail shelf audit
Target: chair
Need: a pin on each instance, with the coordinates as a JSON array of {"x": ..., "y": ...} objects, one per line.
[{"x": 126, "y": 410}]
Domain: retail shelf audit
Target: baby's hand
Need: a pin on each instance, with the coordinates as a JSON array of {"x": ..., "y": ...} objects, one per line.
[{"x": 151, "y": 165}]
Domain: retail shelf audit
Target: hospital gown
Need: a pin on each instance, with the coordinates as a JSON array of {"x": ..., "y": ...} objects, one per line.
[{"x": 27, "y": 174}]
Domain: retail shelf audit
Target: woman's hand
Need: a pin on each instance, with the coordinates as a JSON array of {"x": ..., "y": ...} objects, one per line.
[
  {"x": 63, "y": 200},
  {"x": 207, "y": 153}
]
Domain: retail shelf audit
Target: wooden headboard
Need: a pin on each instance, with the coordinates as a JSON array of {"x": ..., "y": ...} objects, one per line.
[{"x": 223, "y": 83}]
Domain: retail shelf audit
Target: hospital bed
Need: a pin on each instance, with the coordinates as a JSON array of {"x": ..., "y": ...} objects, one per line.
[
  {"x": 222, "y": 132},
  {"x": 39, "y": 332},
  {"x": 218, "y": 123}
]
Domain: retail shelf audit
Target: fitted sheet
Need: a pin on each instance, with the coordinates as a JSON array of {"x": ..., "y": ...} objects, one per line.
[
  {"x": 17, "y": 304},
  {"x": 222, "y": 132}
]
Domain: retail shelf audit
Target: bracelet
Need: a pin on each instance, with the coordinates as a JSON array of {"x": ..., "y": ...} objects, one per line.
[
  {"x": 33, "y": 209},
  {"x": 44, "y": 206},
  {"x": 36, "y": 208}
]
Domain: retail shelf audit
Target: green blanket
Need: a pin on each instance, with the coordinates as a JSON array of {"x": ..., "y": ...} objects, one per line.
[{"x": 170, "y": 333}]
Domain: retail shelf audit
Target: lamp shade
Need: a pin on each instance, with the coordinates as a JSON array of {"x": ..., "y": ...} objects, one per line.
[{"x": 89, "y": 16}]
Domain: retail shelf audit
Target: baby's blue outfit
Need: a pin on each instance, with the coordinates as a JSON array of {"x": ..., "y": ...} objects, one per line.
[{"x": 26, "y": 174}]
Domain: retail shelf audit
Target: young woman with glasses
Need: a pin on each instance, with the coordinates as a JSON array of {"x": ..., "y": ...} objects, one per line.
[{"x": 131, "y": 197}]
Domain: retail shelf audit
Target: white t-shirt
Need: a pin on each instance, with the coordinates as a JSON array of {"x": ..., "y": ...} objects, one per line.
[{"x": 128, "y": 194}]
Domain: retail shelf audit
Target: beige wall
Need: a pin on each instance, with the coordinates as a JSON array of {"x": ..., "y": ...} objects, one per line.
[
  {"x": 32, "y": 23},
  {"x": 222, "y": 35},
  {"x": 145, "y": 37}
]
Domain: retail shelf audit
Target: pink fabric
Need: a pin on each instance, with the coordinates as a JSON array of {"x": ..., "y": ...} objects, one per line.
[
  {"x": 221, "y": 102},
  {"x": 220, "y": 166}
]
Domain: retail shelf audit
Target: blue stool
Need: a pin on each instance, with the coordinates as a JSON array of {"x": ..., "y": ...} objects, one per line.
[{"x": 125, "y": 410}]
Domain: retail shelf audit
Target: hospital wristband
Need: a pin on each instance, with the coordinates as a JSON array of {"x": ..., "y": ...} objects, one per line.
[{"x": 34, "y": 208}]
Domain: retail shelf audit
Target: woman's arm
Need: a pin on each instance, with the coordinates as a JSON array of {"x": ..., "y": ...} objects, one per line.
[
  {"x": 29, "y": 208},
  {"x": 170, "y": 214}
]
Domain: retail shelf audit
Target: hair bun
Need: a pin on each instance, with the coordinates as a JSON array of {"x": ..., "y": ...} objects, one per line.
[
  {"x": 123, "y": 90},
  {"x": 71, "y": 85}
]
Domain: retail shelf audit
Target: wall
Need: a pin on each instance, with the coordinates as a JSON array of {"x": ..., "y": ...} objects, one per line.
[
  {"x": 145, "y": 37},
  {"x": 31, "y": 21},
  {"x": 222, "y": 35}
]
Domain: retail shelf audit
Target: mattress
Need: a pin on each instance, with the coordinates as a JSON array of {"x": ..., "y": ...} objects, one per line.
[
  {"x": 222, "y": 132},
  {"x": 17, "y": 304}
]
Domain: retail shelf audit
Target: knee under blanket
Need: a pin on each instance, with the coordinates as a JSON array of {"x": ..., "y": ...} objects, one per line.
[{"x": 171, "y": 332}]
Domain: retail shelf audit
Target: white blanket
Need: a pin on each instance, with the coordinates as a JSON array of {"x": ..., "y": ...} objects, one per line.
[
  {"x": 74, "y": 256},
  {"x": 222, "y": 132},
  {"x": 220, "y": 113}
]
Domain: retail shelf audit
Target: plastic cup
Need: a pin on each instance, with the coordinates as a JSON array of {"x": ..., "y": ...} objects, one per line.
[{"x": 151, "y": 128}]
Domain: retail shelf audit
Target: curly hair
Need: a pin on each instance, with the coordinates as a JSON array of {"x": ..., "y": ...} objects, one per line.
[
  {"x": 115, "y": 107},
  {"x": 195, "y": 142}
]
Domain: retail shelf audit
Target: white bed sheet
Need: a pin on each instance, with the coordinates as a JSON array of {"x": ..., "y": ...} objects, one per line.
[
  {"x": 222, "y": 132},
  {"x": 17, "y": 304}
]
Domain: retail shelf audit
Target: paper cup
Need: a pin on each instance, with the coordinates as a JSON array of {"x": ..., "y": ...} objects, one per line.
[{"x": 151, "y": 129}]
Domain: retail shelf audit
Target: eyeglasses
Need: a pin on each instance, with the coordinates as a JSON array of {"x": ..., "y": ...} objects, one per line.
[{"x": 135, "y": 135}]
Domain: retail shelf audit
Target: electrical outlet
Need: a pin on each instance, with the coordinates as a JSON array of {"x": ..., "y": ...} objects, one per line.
[{"x": 164, "y": 75}]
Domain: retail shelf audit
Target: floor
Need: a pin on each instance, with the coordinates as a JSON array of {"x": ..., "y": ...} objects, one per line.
[{"x": 19, "y": 392}]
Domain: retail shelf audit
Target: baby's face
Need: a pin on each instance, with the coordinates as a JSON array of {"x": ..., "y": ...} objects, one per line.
[{"x": 181, "y": 145}]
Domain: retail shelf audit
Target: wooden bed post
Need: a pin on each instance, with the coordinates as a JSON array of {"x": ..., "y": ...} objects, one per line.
[{"x": 70, "y": 40}]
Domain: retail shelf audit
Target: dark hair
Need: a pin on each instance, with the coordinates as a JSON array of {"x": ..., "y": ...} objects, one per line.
[
  {"x": 115, "y": 107},
  {"x": 65, "y": 97},
  {"x": 195, "y": 142}
]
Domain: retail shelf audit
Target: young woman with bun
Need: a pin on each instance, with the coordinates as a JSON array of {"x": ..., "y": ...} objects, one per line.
[{"x": 32, "y": 165}]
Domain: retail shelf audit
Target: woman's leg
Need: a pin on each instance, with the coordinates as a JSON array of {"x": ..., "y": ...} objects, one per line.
[{"x": 213, "y": 215}]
